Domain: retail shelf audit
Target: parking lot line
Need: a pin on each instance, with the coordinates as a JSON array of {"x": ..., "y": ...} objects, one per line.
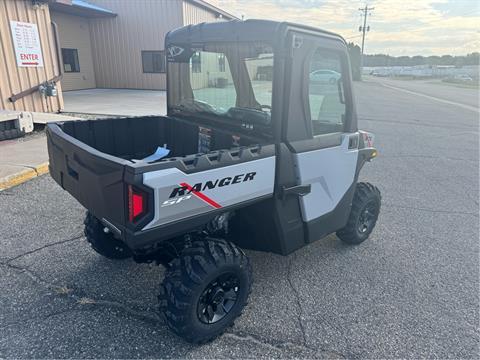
[{"x": 463, "y": 106}]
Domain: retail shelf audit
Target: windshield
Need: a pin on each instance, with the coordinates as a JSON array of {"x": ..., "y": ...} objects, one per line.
[{"x": 227, "y": 80}]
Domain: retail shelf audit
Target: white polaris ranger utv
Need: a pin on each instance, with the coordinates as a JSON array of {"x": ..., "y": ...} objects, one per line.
[{"x": 259, "y": 150}]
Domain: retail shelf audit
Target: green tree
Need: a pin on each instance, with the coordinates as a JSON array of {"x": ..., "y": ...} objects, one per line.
[
  {"x": 446, "y": 60},
  {"x": 433, "y": 60},
  {"x": 355, "y": 60},
  {"x": 472, "y": 59},
  {"x": 418, "y": 60}
]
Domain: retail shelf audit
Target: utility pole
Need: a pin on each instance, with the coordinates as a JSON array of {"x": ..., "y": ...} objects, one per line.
[{"x": 364, "y": 28}]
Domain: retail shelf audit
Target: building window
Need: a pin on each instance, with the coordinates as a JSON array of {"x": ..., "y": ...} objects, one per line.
[
  {"x": 70, "y": 60},
  {"x": 153, "y": 61},
  {"x": 221, "y": 62},
  {"x": 196, "y": 62}
]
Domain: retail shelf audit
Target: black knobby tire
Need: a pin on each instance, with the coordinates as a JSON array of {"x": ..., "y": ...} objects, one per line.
[
  {"x": 104, "y": 243},
  {"x": 188, "y": 286},
  {"x": 363, "y": 215}
]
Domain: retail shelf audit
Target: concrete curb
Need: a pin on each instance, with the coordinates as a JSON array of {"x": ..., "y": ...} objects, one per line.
[{"x": 23, "y": 176}]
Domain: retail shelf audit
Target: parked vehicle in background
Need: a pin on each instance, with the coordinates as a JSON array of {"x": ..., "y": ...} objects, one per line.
[
  {"x": 463, "y": 77},
  {"x": 325, "y": 76}
]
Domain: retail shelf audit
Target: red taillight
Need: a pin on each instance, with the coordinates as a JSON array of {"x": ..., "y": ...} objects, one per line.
[{"x": 137, "y": 203}]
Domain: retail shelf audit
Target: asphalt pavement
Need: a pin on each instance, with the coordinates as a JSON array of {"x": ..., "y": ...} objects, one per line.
[
  {"x": 410, "y": 291},
  {"x": 435, "y": 88}
]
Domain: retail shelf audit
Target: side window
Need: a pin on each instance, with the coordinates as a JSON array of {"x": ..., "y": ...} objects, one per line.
[
  {"x": 153, "y": 61},
  {"x": 70, "y": 60},
  {"x": 325, "y": 92}
]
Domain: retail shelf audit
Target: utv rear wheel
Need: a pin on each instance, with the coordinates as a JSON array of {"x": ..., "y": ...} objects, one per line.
[
  {"x": 363, "y": 215},
  {"x": 205, "y": 289},
  {"x": 104, "y": 243}
]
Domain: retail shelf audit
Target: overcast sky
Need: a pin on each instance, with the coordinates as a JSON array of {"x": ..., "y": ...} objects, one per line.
[{"x": 397, "y": 27}]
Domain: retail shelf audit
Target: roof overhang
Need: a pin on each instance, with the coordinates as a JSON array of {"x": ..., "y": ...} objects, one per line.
[
  {"x": 80, "y": 8},
  {"x": 209, "y": 7}
]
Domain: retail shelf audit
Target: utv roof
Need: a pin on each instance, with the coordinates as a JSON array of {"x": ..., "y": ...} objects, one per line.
[{"x": 238, "y": 30}]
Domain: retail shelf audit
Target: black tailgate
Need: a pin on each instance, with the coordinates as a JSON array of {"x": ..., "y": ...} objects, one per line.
[{"x": 94, "y": 178}]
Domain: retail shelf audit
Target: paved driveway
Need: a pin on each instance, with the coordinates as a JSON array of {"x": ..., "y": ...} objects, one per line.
[
  {"x": 116, "y": 102},
  {"x": 410, "y": 291}
]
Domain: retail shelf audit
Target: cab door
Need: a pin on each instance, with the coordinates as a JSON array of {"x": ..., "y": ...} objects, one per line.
[{"x": 321, "y": 132}]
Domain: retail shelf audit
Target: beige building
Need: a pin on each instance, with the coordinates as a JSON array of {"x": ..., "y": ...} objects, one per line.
[{"x": 83, "y": 44}]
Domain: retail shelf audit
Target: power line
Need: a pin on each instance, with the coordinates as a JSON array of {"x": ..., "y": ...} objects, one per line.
[{"x": 353, "y": 37}]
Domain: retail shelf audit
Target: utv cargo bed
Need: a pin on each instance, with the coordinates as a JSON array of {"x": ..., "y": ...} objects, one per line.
[{"x": 97, "y": 160}]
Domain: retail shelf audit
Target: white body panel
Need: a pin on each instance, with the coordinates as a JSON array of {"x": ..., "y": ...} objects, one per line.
[
  {"x": 189, "y": 204},
  {"x": 330, "y": 171}
]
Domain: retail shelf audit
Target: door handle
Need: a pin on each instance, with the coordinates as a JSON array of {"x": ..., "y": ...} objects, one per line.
[{"x": 299, "y": 190}]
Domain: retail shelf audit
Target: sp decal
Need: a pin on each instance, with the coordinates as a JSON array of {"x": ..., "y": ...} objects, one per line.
[{"x": 176, "y": 200}]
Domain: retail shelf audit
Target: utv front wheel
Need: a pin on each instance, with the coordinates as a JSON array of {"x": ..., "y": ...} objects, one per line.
[
  {"x": 205, "y": 289},
  {"x": 104, "y": 243},
  {"x": 363, "y": 215}
]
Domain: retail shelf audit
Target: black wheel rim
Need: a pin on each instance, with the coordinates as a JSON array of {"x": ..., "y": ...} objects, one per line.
[
  {"x": 367, "y": 218},
  {"x": 218, "y": 298}
]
